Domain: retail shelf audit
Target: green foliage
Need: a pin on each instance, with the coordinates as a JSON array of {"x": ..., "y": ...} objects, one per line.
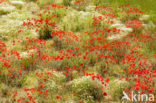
[
  {"x": 49, "y": 18},
  {"x": 30, "y": 82},
  {"x": 18, "y": 4},
  {"x": 59, "y": 44},
  {"x": 45, "y": 33},
  {"x": 67, "y": 2},
  {"x": 116, "y": 89},
  {"x": 6, "y": 8},
  {"x": 100, "y": 67},
  {"x": 98, "y": 2},
  {"x": 6, "y": 21},
  {"x": 55, "y": 82},
  {"x": 3, "y": 74},
  {"x": 87, "y": 89},
  {"x": 41, "y": 3},
  {"x": 30, "y": 0},
  {"x": 77, "y": 21},
  {"x": 5, "y": 93},
  {"x": 31, "y": 7},
  {"x": 28, "y": 61},
  {"x": 14, "y": 80},
  {"x": 58, "y": 77}
]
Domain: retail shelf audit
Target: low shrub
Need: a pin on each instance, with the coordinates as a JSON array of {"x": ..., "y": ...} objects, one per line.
[
  {"x": 6, "y": 8},
  {"x": 67, "y": 2},
  {"x": 116, "y": 89},
  {"x": 87, "y": 89},
  {"x": 77, "y": 21}
]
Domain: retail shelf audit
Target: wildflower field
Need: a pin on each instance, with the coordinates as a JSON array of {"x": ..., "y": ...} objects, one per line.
[{"x": 77, "y": 51}]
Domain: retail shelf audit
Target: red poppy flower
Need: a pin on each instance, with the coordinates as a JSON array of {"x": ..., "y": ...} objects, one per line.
[
  {"x": 57, "y": 96},
  {"x": 105, "y": 94},
  {"x": 15, "y": 94}
]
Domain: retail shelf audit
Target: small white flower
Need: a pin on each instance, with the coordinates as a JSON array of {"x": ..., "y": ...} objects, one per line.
[
  {"x": 17, "y": 2},
  {"x": 144, "y": 17},
  {"x": 117, "y": 25},
  {"x": 125, "y": 29},
  {"x": 7, "y": 9},
  {"x": 90, "y": 8}
]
